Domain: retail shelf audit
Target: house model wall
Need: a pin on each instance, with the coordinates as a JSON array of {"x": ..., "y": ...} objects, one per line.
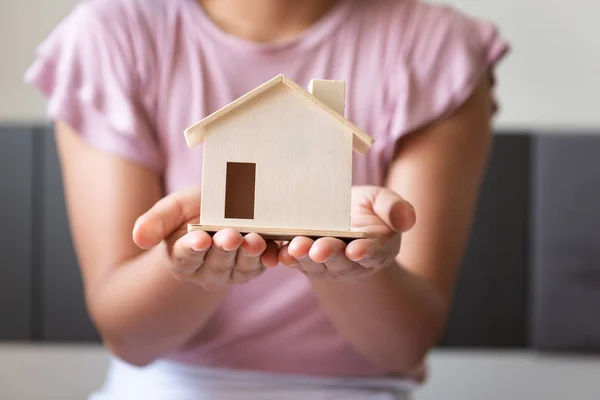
[{"x": 279, "y": 158}]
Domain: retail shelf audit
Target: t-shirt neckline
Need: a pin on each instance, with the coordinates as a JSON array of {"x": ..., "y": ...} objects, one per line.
[{"x": 317, "y": 32}]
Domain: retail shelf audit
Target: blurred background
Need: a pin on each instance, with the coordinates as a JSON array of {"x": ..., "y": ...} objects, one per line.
[{"x": 526, "y": 319}]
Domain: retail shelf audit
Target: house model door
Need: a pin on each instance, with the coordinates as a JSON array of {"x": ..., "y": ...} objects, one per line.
[{"x": 240, "y": 190}]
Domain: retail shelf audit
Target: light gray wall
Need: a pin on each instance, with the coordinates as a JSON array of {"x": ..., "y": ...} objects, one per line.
[
  {"x": 550, "y": 81},
  {"x": 21, "y": 30}
]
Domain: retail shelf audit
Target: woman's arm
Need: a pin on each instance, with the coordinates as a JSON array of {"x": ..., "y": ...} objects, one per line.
[
  {"x": 396, "y": 315},
  {"x": 139, "y": 309}
]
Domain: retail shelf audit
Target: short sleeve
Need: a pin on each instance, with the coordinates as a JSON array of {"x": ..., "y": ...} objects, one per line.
[
  {"x": 445, "y": 54},
  {"x": 86, "y": 69}
]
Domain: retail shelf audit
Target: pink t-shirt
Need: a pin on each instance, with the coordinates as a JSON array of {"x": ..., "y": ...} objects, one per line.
[{"x": 131, "y": 75}]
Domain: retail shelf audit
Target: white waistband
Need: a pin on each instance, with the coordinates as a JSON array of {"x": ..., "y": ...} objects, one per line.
[{"x": 168, "y": 380}]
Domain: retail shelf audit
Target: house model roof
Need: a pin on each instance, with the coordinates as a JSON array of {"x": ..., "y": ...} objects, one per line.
[{"x": 194, "y": 135}]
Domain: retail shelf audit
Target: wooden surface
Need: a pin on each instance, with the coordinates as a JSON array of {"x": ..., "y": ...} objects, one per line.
[
  {"x": 283, "y": 234},
  {"x": 196, "y": 133},
  {"x": 330, "y": 92},
  {"x": 303, "y": 165}
]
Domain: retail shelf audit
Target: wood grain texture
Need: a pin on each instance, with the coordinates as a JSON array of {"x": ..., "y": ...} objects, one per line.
[
  {"x": 196, "y": 133},
  {"x": 330, "y": 92},
  {"x": 283, "y": 234},
  {"x": 303, "y": 164}
]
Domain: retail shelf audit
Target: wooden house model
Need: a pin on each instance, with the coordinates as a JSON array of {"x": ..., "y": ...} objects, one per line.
[{"x": 278, "y": 161}]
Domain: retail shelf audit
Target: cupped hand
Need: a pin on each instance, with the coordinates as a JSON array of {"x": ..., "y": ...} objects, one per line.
[
  {"x": 214, "y": 262},
  {"x": 377, "y": 210}
]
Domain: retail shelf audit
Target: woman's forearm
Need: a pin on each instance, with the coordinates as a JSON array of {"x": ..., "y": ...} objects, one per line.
[
  {"x": 393, "y": 317},
  {"x": 142, "y": 312}
]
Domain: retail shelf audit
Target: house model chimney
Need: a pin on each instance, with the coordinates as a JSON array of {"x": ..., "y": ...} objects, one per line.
[{"x": 330, "y": 92}]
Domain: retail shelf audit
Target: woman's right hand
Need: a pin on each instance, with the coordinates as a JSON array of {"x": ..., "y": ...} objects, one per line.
[{"x": 214, "y": 262}]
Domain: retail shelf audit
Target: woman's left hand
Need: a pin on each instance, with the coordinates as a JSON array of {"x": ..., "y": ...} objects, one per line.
[{"x": 376, "y": 210}]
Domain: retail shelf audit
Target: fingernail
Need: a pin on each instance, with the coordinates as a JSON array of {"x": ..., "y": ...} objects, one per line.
[
  {"x": 193, "y": 245},
  {"x": 224, "y": 246},
  {"x": 246, "y": 254}
]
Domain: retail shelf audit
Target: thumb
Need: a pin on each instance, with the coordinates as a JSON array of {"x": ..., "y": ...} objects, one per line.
[
  {"x": 398, "y": 214},
  {"x": 165, "y": 217}
]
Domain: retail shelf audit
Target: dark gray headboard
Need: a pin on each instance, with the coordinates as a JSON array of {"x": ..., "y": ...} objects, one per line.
[
  {"x": 491, "y": 306},
  {"x": 41, "y": 297},
  {"x": 531, "y": 277}
]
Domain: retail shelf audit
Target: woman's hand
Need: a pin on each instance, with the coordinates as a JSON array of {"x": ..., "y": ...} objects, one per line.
[
  {"x": 212, "y": 262},
  {"x": 377, "y": 210}
]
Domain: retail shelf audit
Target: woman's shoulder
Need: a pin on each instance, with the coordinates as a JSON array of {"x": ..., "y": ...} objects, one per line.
[
  {"x": 437, "y": 45},
  {"x": 416, "y": 26},
  {"x": 122, "y": 35},
  {"x": 97, "y": 68},
  {"x": 435, "y": 56}
]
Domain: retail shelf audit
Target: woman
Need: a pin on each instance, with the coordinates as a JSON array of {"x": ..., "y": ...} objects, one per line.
[{"x": 188, "y": 315}]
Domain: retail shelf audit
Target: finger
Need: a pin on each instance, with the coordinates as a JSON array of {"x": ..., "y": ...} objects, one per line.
[
  {"x": 331, "y": 252},
  {"x": 248, "y": 264},
  {"x": 270, "y": 256},
  {"x": 325, "y": 248},
  {"x": 393, "y": 210},
  {"x": 189, "y": 251},
  {"x": 219, "y": 260},
  {"x": 286, "y": 258},
  {"x": 166, "y": 216},
  {"x": 371, "y": 253},
  {"x": 299, "y": 248},
  {"x": 361, "y": 249}
]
